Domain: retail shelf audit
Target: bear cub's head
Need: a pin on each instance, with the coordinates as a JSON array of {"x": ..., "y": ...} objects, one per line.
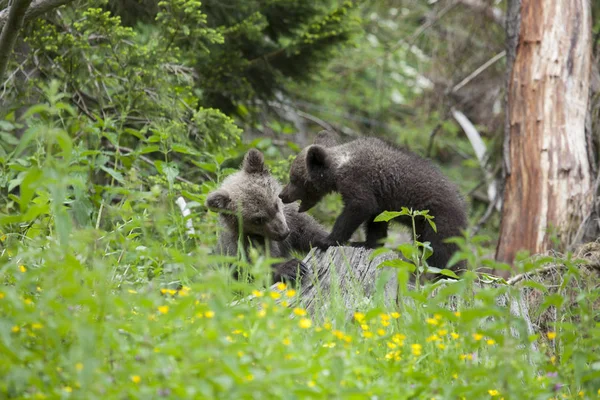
[
  {"x": 312, "y": 173},
  {"x": 248, "y": 200}
]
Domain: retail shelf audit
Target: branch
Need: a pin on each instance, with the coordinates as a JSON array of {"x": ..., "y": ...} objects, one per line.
[
  {"x": 478, "y": 71},
  {"x": 10, "y": 31},
  {"x": 38, "y": 8}
]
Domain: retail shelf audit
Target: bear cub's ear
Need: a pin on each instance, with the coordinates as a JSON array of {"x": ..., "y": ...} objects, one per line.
[
  {"x": 327, "y": 139},
  {"x": 317, "y": 159},
  {"x": 254, "y": 162},
  {"x": 218, "y": 200}
]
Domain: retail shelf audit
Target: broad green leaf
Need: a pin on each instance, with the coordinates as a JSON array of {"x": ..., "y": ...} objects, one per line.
[
  {"x": 36, "y": 109},
  {"x": 398, "y": 263},
  {"x": 389, "y": 215},
  {"x": 447, "y": 272},
  {"x": 115, "y": 174},
  {"x": 31, "y": 181}
]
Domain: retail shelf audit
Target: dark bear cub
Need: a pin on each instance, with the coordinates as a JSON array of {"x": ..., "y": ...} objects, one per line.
[
  {"x": 373, "y": 176},
  {"x": 248, "y": 203}
]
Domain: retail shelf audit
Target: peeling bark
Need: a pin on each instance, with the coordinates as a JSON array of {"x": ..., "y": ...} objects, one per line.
[{"x": 549, "y": 184}]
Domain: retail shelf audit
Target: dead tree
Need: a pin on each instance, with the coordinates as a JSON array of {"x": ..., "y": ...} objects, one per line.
[{"x": 549, "y": 184}]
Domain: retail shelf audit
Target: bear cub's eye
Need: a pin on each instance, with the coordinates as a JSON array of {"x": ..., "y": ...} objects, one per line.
[{"x": 258, "y": 220}]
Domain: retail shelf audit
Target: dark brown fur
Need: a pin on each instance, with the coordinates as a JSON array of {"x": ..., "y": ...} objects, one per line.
[
  {"x": 248, "y": 200},
  {"x": 373, "y": 176}
]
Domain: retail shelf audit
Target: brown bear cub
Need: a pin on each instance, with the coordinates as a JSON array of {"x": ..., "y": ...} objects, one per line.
[
  {"x": 373, "y": 176},
  {"x": 248, "y": 201}
]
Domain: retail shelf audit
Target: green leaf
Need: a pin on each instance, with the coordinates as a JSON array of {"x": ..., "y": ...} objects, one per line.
[
  {"x": 36, "y": 109},
  {"x": 408, "y": 250},
  {"x": 450, "y": 273},
  {"x": 389, "y": 215},
  {"x": 398, "y": 263},
  {"x": 31, "y": 181},
  {"x": 115, "y": 174},
  {"x": 149, "y": 149},
  {"x": 9, "y": 138},
  {"x": 182, "y": 149}
]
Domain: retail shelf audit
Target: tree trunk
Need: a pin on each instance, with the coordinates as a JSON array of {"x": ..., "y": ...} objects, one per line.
[
  {"x": 549, "y": 184},
  {"x": 10, "y": 31}
]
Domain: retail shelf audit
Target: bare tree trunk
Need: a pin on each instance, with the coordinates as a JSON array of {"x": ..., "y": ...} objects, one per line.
[
  {"x": 10, "y": 32},
  {"x": 549, "y": 185},
  {"x": 38, "y": 8}
]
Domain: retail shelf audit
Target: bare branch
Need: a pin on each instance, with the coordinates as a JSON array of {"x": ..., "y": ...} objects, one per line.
[
  {"x": 8, "y": 37},
  {"x": 478, "y": 71},
  {"x": 38, "y": 7}
]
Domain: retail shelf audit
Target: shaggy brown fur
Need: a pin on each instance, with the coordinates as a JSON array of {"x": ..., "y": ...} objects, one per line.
[
  {"x": 373, "y": 176},
  {"x": 247, "y": 203}
]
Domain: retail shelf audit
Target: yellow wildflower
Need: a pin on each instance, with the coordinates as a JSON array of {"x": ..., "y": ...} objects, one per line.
[
  {"x": 553, "y": 359},
  {"x": 131, "y": 291},
  {"x": 580, "y": 394},
  {"x": 2, "y": 238},
  {"x": 257, "y": 293},
  {"x": 457, "y": 313},
  {"x": 398, "y": 338},
  {"x": 311, "y": 384},
  {"x": 364, "y": 327},
  {"x": 437, "y": 316},
  {"x": 249, "y": 377},
  {"x": 491, "y": 342},
  {"x": 286, "y": 342},
  {"x": 184, "y": 291},
  {"x": 432, "y": 321},
  {"x": 36, "y": 325},
  {"x": 290, "y": 293},
  {"x": 384, "y": 317},
  {"x": 391, "y": 345},
  {"x": 442, "y": 332},
  {"x": 15, "y": 329},
  {"x": 360, "y": 317},
  {"x": 163, "y": 309},
  {"x": 551, "y": 335},
  {"x": 79, "y": 366},
  {"x": 454, "y": 335},
  {"x": 261, "y": 313},
  {"x": 395, "y": 315},
  {"x": 136, "y": 379},
  {"x": 329, "y": 345},
  {"x": 28, "y": 302},
  {"x": 385, "y": 323},
  {"x": 305, "y": 323},
  {"x": 381, "y": 332},
  {"x": 455, "y": 376},
  {"x": 477, "y": 336},
  {"x": 22, "y": 268},
  {"x": 416, "y": 349},
  {"x": 1, "y": 295},
  {"x": 281, "y": 286},
  {"x": 275, "y": 295},
  {"x": 68, "y": 389},
  {"x": 367, "y": 334},
  {"x": 299, "y": 312},
  {"x": 493, "y": 392},
  {"x": 432, "y": 338},
  {"x": 209, "y": 314},
  {"x": 441, "y": 346},
  {"x": 327, "y": 326}
]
